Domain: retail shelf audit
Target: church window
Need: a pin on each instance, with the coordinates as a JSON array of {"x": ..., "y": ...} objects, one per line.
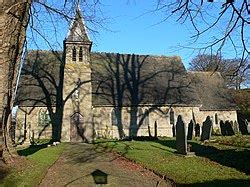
[
  {"x": 114, "y": 116},
  {"x": 216, "y": 118},
  {"x": 43, "y": 117},
  {"x": 74, "y": 54},
  {"x": 80, "y": 54},
  {"x": 171, "y": 113}
]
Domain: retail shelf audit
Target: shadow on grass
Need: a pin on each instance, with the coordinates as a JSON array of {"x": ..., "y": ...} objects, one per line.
[
  {"x": 87, "y": 153},
  {"x": 220, "y": 183},
  {"x": 31, "y": 149},
  {"x": 238, "y": 159},
  {"x": 3, "y": 171}
]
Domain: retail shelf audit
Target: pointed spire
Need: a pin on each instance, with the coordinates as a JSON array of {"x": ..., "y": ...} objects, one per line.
[{"x": 77, "y": 31}]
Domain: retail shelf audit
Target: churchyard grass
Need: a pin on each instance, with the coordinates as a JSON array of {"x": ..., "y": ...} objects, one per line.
[
  {"x": 213, "y": 164},
  {"x": 31, "y": 169},
  {"x": 236, "y": 141}
]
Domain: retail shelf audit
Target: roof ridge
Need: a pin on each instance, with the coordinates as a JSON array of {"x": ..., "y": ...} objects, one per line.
[
  {"x": 150, "y": 55},
  {"x": 193, "y": 71}
]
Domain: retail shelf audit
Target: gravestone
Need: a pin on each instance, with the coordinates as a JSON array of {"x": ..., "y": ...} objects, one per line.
[
  {"x": 223, "y": 128},
  {"x": 229, "y": 128},
  {"x": 236, "y": 127},
  {"x": 206, "y": 129},
  {"x": 232, "y": 127},
  {"x": 248, "y": 126},
  {"x": 197, "y": 130},
  {"x": 173, "y": 130},
  {"x": 190, "y": 130},
  {"x": 149, "y": 131},
  {"x": 155, "y": 129},
  {"x": 181, "y": 139},
  {"x": 243, "y": 126}
]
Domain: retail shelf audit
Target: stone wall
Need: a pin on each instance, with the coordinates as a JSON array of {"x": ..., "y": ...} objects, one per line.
[
  {"x": 77, "y": 92},
  {"x": 200, "y": 116},
  {"x": 34, "y": 130},
  {"x": 160, "y": 116},
  {"x": 102, "y": 119}
]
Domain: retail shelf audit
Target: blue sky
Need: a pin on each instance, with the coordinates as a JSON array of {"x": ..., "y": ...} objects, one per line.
[
  {"x": 137, "y": 30},
  {"x": 131, "y": 26}
]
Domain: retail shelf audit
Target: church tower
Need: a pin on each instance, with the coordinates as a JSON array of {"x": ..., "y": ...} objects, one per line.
[{"x": 77, "y": 118}]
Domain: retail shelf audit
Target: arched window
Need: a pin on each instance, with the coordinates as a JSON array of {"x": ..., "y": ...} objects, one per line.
[
  {"x": 171, "y": 113},
  {"x": 43, "y": 117},
  {"x": 74, "y": 54},
  {"x": 114, "y": 119},
  {"x": 80, "y": 54},
  {"x": 216, "y": 118}
]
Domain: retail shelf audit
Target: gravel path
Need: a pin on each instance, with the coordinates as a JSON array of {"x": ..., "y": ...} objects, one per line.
[{"x": 75, "y": 165}]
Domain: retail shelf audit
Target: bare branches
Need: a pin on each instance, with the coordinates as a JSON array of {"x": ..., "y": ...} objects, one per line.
[
  {"x": 231, "y": 21},
  {"x": 234, "y": 71},
  {"x": 50, "y": 19}
]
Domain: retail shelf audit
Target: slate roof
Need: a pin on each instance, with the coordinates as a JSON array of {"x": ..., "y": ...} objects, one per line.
[
  {"x": 128, "y": 79},
  {"x": 39, "y": 73},
  {"x": 212, "y": 91}
]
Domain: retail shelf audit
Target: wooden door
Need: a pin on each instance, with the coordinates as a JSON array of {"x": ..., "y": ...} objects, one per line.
[{"x": 76, "y": 127}]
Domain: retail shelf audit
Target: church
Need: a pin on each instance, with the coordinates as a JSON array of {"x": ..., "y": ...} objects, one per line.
[{"x": 86, "y": 95}]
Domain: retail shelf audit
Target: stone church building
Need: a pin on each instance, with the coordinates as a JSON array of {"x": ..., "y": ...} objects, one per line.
[{"x": 113, "y": 95}]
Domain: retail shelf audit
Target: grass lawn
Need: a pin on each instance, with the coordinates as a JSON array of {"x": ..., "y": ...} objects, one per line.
[
  {"x": 235, "y": 141},
  {"x": 32, "y": 170},
  {"x": 214, "y": 165}
]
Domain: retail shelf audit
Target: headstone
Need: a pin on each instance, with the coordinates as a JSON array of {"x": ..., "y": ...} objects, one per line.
[
  {"x": 229, "y": 129},
  {"x": 173, "y": 130},
  {"x": 223, "y": 128},
  {"x": 181, "y": 139},
  {"x": 149, "y": 131},
  {"x": 190, "y": 130},
  {"x": 197, "y": 130},
  {"x": 248, "y": 126},
  {"x": 33, "y": 137},
  {"x": 206, "y": 129},
  {"x": 243, "y": 126},
  {"x": 236, "y": 127},
  {"x": 155, "y": 129}
]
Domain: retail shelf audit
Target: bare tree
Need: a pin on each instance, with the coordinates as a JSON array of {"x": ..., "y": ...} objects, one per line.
[
  {"x": 229, "y": 18},
  {"x": 234, "y": 71},
  {"x": 16, "y": 16}
]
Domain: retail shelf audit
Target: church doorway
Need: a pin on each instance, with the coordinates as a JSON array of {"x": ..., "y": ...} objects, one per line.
[{"x": 76, "y": 127}]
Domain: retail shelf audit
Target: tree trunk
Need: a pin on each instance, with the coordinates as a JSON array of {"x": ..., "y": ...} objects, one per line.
[
  {"x": 56, "y": 122},
  {"x": 133, "y": 122},
  {"x": 119, "y": 122},
  {"x": 14, "y": 17}
]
